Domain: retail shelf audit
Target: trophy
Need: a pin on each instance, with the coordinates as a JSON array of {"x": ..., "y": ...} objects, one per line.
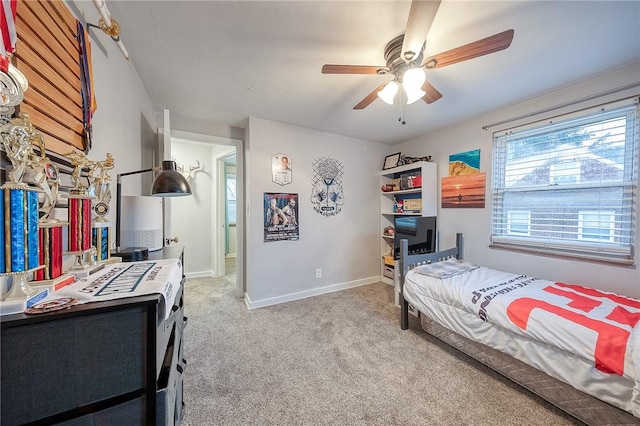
[{"x": 19, "y": 248}]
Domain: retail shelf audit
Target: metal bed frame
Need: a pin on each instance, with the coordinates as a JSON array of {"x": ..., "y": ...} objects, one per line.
[{"x": 574, "y": 402}]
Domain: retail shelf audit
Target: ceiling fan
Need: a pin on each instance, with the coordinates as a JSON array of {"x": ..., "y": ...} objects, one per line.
[{"x": 405, "y": 62}]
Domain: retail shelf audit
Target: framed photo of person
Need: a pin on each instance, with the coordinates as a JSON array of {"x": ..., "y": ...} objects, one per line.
[
  {"x": 281, "y": 169},
  {"x": 391, "y": 161}
]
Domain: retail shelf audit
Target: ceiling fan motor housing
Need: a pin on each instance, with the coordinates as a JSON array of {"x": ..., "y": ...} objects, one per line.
[{"x": 395, "y": 63}]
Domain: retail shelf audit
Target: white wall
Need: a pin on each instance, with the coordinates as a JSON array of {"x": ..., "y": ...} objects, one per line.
[
  {"x": 345, "y": 246},
  {"x": 474, "y": 223},
  {"x": 205, "y": 127},
  {"x": 192, "y": 217}
]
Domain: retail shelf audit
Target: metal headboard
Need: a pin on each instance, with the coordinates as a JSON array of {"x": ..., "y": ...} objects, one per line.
[{"x": 410, "y": 261}]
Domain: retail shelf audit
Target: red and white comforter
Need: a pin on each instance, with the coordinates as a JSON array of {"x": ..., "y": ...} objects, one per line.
[{"x": 585, "y": 337}]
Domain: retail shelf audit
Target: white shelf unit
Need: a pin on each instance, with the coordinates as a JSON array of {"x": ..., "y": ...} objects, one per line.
[{"x": 427, "y": 193}]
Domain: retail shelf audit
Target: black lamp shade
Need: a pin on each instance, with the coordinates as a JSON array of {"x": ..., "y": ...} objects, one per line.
[{"x": 170, "y": 182}]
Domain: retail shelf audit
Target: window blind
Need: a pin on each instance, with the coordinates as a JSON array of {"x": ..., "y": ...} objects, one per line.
[
  {"x": 231, "y": 198},
  {"x": 569, "y": 187},
  {"x": 49, "y": 54}
]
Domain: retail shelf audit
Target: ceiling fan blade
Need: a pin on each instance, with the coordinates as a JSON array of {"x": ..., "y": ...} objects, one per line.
[
  {"x": 351, "y": 69},
  {"x": 432, "y": 93},
  {"x": 421, "y": 16},
  {"x": 370, "y": 97},
  {"x": 494, "y": 43}
]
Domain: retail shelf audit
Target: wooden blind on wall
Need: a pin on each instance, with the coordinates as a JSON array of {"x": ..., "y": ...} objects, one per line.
[{"x": 48, "y": 52}]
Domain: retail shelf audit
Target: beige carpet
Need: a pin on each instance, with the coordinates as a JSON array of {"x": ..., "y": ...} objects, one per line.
[{"x": 336, "y": 359}]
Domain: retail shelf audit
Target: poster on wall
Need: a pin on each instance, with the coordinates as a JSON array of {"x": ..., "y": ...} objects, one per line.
[
  {"x": 281, "y": 217},
  {"x": 464, "y": 163},
  {"x": 281, "y": 171},
  {"x": 327, "y": 196},
  {"x": 463, "y": 191}
]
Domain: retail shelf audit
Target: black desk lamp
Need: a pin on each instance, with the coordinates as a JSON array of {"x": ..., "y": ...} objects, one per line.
[{"x": 168, "y": 183}]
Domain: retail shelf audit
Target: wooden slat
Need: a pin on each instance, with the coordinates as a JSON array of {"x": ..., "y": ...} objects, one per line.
[
  {"x": 48, "y": 53},
  {"x": 66, "y": 19},
  {"x": 55, "y": 35},
  {"x": 56, "y": 145},
  {"x": 46, "y": 57},
  {"x": 53, "y": 111},
  {"x": 50, "y": 75},
  {"x": 51, "y": 127},
  {"x": 38, "y": 84}
]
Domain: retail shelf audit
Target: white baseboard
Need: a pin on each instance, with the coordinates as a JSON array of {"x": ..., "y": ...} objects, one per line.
[
  {"x": 253, "y": 304},
  {"x": 199, "y": 274}
]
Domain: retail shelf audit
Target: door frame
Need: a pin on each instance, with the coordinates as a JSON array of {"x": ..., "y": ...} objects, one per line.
[
  {"x": 219, "y": 222},
  {"x": 218, "y": 205}
]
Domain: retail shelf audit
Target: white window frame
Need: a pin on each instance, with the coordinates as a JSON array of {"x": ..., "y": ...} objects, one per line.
[
  {"x": 513, "y": 181},
  {"x": 610, "y": 225},
  {"x": 558, "y": 170},
  {"x": 230, "y": 197},
  {"x": 511, "y": 222}
]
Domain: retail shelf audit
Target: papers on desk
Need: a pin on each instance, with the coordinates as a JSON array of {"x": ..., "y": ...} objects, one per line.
[{"x": 120, "y": 280}]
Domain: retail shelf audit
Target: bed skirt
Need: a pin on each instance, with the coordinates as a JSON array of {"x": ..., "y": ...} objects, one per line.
[{"x": 578, "y": 404}]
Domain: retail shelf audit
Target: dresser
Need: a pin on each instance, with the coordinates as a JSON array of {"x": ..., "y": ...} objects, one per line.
[{"x": 117, "y": 362}]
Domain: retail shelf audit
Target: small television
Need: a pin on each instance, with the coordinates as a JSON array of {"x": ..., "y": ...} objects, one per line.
[{"x": 419, "y": 231}]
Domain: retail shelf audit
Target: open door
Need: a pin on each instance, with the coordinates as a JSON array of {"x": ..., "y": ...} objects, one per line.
[{"x": 164, "y": 142}]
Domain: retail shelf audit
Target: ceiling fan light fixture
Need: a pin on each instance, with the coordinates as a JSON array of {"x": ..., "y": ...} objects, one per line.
[
  {"x": 414, "y": 95},
  {"x": 413, "y": 79},
  {"x": 404, "y": 57},
  {"x": 388, "y": 92},
  {"x": 412, "y": 82}
]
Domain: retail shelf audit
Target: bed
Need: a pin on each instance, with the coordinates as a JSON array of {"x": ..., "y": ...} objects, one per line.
[{"x": 576, "y": 347}]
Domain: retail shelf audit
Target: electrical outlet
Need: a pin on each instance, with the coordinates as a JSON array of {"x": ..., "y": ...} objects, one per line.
[{"x": 318, "y": 273}]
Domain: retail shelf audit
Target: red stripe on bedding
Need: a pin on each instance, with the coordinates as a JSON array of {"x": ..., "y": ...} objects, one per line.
[
  {"x": 611, "y": 343},
  {"x": 633, "y": 303}
]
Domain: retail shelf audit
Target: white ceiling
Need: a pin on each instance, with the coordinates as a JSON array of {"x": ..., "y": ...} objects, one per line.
[{"x": 224, "y": 61}]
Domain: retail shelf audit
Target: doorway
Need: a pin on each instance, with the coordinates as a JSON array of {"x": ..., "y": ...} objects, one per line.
[
  {"x": 228, "y": 165},
  {"x": 207, "y": 224}
]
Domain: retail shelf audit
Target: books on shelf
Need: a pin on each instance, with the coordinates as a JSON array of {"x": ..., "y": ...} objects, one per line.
[
  {"x": 412, "y": 205},
  {"x": 410, "y": 181}
]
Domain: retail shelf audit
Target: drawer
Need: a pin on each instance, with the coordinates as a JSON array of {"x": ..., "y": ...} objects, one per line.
[
  {"x": 54, "y": 367},
  {"x": 176, "y": 312},
  {"x": 181, "y": 346},
  {"x": 178, "y": 414},
  {"x": 128, "y": 413},
  {"x": 172, "y": 365},
  {"x": 174, "y": 324},
  {"x": 169, "y": 403}
]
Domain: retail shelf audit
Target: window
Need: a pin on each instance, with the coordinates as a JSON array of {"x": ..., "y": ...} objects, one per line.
[
  {"x": 564, "y": 172},
  {"x": 518, "y": 222},
  {"x": 231, "y": 197},
  {"x": 568, "y": 187},
  {"x": 596, "y": 226}
]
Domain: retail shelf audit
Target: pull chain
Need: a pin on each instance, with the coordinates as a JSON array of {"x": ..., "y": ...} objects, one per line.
[{"x": 402, "y": 102}]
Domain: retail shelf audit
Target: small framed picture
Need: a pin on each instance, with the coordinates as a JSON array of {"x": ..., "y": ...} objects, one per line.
[
  {"x": 391, "y": 161},
  {"x": 281, "y": 172}
]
